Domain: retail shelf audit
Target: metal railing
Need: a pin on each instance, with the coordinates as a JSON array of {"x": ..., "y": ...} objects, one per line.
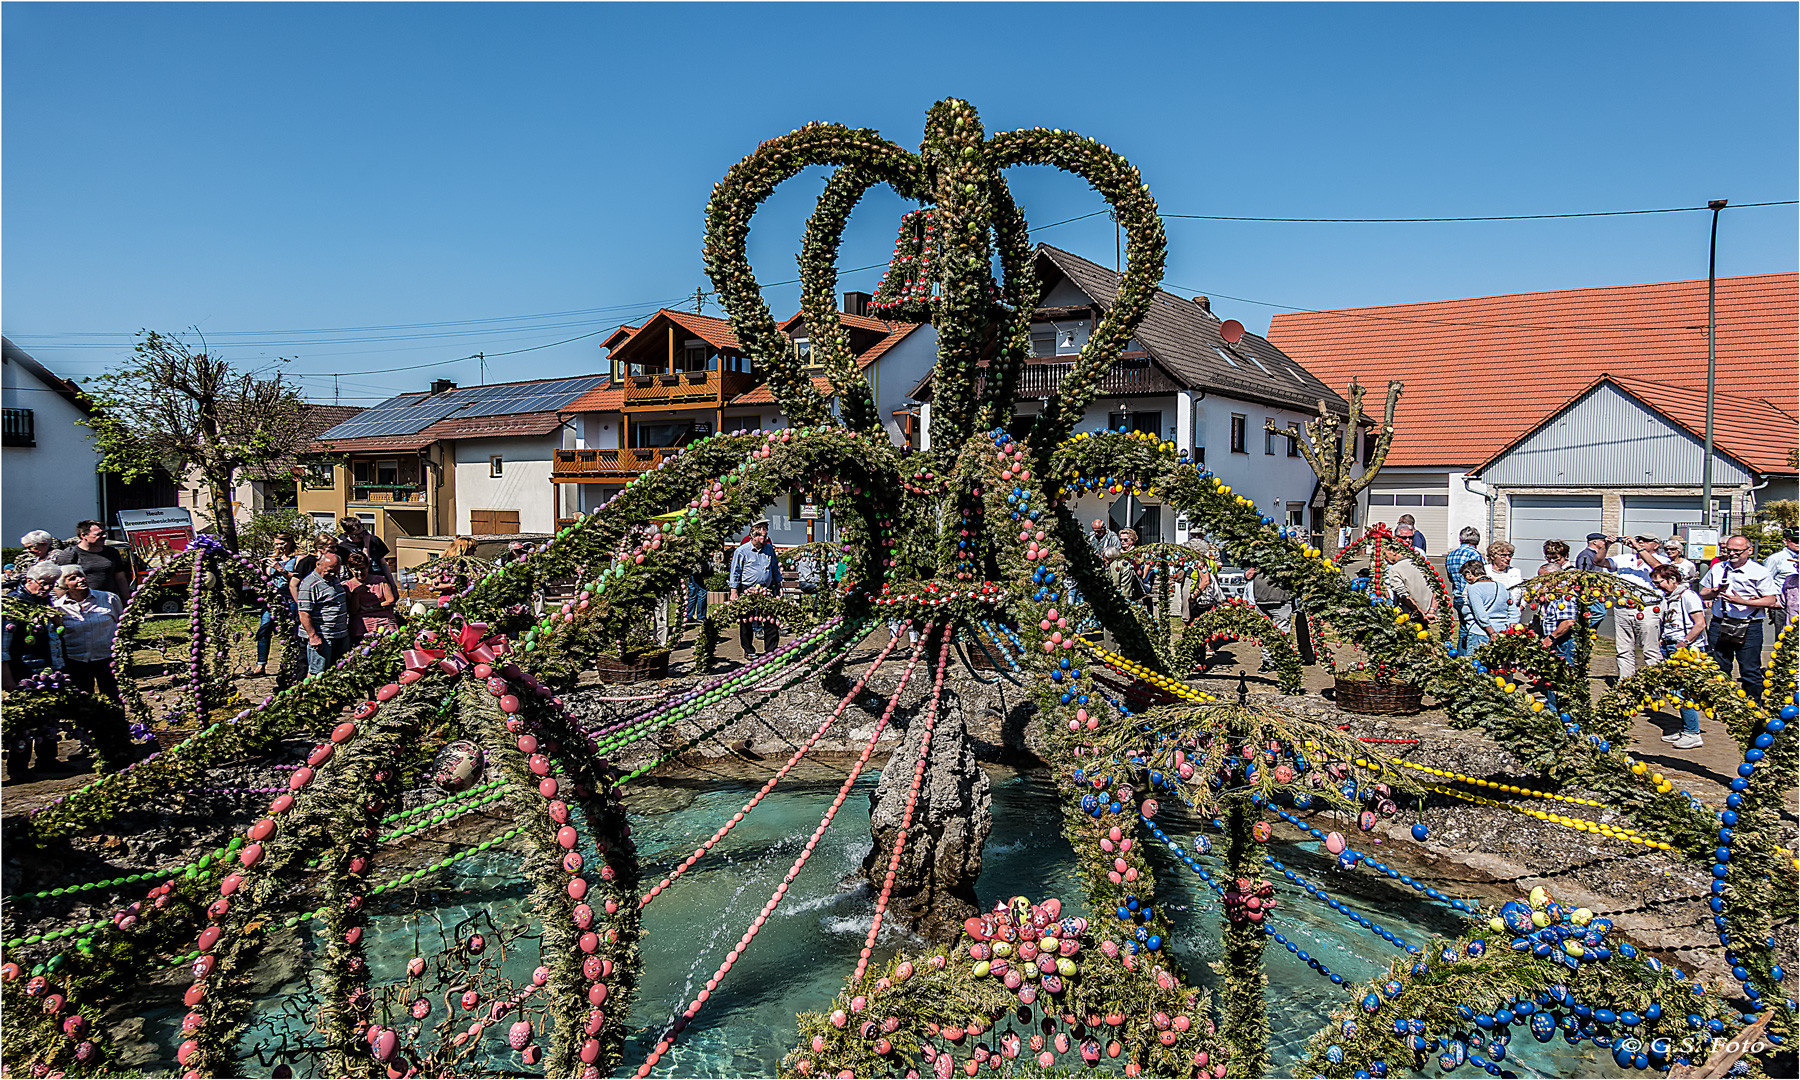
[
  {"x": 21, "y": 428},
  {"x": 1125, "y": 376}
]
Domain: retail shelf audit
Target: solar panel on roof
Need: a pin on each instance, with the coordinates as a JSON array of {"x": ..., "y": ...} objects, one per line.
[
  {"x": 402, "y": 416},
  {"x": 412, "y": 413}
]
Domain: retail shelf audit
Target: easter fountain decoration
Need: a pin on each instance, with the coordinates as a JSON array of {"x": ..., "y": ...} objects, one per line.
[
  {"x": 464, "y": 712},
  {"x": 199, "y": 680}
]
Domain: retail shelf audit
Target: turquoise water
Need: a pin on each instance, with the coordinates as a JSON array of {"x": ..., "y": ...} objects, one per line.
[{"x": 811, "y": 943}]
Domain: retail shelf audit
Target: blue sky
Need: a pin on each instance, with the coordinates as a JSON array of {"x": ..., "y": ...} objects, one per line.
[{"x": 473, "y": 177}]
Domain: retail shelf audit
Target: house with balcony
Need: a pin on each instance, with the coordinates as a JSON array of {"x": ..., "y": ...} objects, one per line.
[
  {"x": 1185, "y": 377},
  {"x": 681, "y": 376},
  {"x": 474, "y": 460}
]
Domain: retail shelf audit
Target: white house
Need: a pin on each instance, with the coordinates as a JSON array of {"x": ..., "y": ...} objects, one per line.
[
  {"x": 49, "y": 463},
  {"x": 1182, "y": 380},
  {"x": 1550, "y": 415}
]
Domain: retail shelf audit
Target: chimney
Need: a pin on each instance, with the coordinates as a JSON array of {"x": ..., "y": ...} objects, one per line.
[
  {"x": 856, "y": 303},
  {"x": 441, "y": 386},
  {"x": 1205, "y": 303}
]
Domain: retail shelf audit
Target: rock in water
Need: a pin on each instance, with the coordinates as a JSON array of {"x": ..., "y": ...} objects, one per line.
[{"x": 934, "y": 885}]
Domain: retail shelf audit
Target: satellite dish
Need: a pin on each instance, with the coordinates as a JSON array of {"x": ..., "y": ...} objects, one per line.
[{"x": 1232, "y": 331}]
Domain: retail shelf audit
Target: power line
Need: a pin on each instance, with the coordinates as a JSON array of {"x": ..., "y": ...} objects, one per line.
[
  {"x": 1492, "y": 217},
  {"x": 389, "y": 326},
  {"x": 1428, "y": 322},
  {"x": 380, "y": 335}
]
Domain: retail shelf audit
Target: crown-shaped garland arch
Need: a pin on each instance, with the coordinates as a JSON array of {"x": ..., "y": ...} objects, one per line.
[
  {"x": 976, "y": 539},
  {"x": 981, "y": 324}
]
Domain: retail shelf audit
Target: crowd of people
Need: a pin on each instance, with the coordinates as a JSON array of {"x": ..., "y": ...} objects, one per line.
[
  {"x": 1719, "y": 607},
  {"x": 69, "y": 598}
]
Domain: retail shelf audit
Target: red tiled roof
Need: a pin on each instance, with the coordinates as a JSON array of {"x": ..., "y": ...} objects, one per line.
[
  {"x": 1482, "y": 372},
  {"x": 860, "y": 322},
  {"x": 765, "y": 394},
  {"x": 895, "y": 337},
  {"x": 715, "y": 332},
  {"x": 472, "y": 427},
  {"x": 322, "y": 418},
  {"x": 602, "y": 398}
]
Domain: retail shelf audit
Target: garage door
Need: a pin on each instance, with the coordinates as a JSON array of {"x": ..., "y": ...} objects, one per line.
[
  {"x": 1428, "y": 503},
  {"x": 1659, "y": 514},
  {"x": 1537, "y": 518}
]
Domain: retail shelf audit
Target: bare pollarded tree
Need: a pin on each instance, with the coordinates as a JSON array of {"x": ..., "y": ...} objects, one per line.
[
  {"x": 1329, "y": 444},
  {"x": 184, "y": 410}
]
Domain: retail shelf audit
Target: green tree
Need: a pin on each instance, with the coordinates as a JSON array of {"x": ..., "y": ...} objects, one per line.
[{"x": 190, "y": 411}]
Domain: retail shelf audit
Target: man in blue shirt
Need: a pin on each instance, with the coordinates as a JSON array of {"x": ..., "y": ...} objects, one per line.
[
  {"x": 755, "y": 566},
  {"x": 1470, "y": 548}
]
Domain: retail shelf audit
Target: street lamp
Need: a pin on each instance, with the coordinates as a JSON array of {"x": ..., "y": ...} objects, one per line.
[{"x": 1712, "y": 262}]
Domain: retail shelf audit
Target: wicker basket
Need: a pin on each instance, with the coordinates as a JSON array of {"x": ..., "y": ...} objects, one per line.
[
  {"x": 980, "y": 658},
  {"x": 1378, "y": 699},
  {"x": 642, "y": 667}
]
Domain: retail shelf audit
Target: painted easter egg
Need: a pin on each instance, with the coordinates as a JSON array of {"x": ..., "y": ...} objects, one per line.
[
  {"x": 458, "y": 765},
  {"x": 1334, "y": 843}
]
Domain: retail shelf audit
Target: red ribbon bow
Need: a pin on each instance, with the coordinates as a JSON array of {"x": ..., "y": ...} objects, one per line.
[{"x": 472, "y": 645}]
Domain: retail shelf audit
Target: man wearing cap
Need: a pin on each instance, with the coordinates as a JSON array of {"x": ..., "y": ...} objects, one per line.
[
  {"x": 1640, "y": 630},
  {"x": 1737, "y": 587},
  {"x": 1593, "y": 557}
]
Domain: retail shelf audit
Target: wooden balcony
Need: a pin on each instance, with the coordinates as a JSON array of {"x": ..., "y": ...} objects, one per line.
[
  {"x": 387, "y": 494},
  {"x": 686, "y": 389},
  {"x": 603, "y": 466},
  {"x": 1128, "y": 375}
]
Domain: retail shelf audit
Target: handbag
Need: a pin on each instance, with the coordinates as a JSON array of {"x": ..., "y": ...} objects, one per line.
[{"x": 1732, "y": 632}]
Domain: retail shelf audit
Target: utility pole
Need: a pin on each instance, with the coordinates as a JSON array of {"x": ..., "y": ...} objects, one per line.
[
  {"x": 1712, "y": 343},
  {"x": 699, "y": 300},
  {"x": 482, "y": 358}
]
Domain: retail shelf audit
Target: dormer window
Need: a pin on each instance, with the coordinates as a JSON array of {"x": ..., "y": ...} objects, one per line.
[{"x": 1043, "y": 341}]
